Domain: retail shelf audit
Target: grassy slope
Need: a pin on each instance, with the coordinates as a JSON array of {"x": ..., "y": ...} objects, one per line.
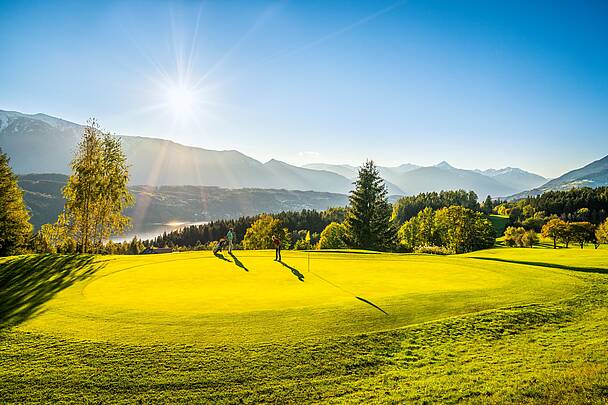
[
  {"x": 499, "y": 222},
  {"x": 546, "y": 345}
]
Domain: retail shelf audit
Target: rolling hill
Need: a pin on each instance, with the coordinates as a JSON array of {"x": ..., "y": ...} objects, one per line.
[{"x": 595, "y": 174}]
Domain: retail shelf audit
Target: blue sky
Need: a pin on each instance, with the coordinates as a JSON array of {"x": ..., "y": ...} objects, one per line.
[{"x": 479, "y": 84}]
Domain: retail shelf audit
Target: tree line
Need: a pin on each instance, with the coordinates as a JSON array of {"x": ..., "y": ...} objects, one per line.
[
  {"x": 576, "y": 205},
  {"x": 294, "y": 228},
  {"x": 408, "y": 207},
  {"x": 559, "y": 231},
  {"x": 580, "y": 232},
  {"x": 455, "y": 229}
]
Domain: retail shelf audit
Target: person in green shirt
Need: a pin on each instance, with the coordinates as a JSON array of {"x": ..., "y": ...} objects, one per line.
[{"x": 230, "y": 237}]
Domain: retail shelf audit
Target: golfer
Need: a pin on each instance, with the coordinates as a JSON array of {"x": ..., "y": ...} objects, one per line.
[
  {"x": 230, "y": 237},
  {"x": 277, "y": 247}
]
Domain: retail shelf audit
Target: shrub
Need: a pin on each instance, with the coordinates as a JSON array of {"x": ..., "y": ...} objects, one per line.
[
  {"x": 433, "y": 250},
  {"x": 520, "y": 237},
  {"x": 302, "y": 244},
  {"x": 513, "y": 236},
  {"x": 529, "y": 239}
]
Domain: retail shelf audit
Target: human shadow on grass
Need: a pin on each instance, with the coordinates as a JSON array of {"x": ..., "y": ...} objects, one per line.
[
  {"x": 294, "y": 271},
  {"x": 238, "y": 262},
  {"x": 220, "y": 256},
  {"x": 549, "y": 265},
  {"x": 27, "y": 282}
]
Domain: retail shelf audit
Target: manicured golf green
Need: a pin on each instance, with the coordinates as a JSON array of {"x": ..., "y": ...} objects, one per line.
[
  {"x": 504, "y": 325},
  {"x": 199, "y": 298}
]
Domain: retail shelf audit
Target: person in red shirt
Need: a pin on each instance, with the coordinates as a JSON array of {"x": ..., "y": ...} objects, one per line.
[{"x": 277, "y": 246}]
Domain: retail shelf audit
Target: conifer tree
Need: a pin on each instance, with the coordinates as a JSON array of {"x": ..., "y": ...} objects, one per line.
[
  {"x": 15, "y": 228},
  {"x": 368, "y": 220},
  {"x": 488, "y": 205}
]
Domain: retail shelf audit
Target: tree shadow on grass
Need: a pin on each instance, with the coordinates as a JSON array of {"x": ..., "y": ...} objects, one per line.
[
  {"x": 294, "y": 271},
  {"x": 221, "y": 256},
  {"x": 549, "y": 265},
  {"x": 238, "y": 262},
  {"x": 27, "y": 282}
]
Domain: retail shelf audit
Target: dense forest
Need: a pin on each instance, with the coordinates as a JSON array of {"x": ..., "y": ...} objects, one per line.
[
  {"x": 44, "y": 199},
  {"x": 582, "y": 204},
  {"x": 579, "y": 204},
  {"x": 408, "y": 207}
]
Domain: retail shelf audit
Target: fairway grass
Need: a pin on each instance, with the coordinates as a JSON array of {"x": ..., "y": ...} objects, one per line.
[
  {"x": 500, "y": 325},
  {"x": 199, "y": 298}
]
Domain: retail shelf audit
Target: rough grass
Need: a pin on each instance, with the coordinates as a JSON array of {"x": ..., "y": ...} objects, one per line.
[{"x": 546, "y": 347}]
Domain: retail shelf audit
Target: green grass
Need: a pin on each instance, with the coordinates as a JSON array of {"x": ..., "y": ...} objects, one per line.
[
  {"x": 199, "y": 298},
  {"x": 499, "y": 222},
  {"x": 501, "y": 325}
]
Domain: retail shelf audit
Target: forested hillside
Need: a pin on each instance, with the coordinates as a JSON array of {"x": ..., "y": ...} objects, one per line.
[{"x": 42, "y": 194}]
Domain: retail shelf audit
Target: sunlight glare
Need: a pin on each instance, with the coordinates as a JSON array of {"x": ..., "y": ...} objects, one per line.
[{"x": 181, "y": 100}]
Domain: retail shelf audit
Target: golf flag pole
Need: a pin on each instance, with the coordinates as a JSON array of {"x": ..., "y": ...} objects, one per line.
[{"x": 308, "y": 253}]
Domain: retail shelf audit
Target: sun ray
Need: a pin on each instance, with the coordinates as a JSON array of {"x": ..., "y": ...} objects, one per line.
[
  {"x": 194, "y": 39},
  {"x": 292, "y": 50},
  {"x": 259, "y": 22},
  {"x": 188, "y": 100}
]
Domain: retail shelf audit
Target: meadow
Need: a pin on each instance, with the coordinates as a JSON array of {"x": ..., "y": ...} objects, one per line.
[{"x": 499, "y": 325}]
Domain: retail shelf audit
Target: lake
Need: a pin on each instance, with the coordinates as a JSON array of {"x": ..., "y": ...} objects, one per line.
[{"x": 149, "y": 231}]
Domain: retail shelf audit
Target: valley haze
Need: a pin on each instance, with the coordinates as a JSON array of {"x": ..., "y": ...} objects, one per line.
[{"x": 28, "y": 138}]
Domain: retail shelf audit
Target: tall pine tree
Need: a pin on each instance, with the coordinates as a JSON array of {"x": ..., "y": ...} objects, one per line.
[
  {"x": 368, "y": 220},
  {"x": 15, "y": 228}
]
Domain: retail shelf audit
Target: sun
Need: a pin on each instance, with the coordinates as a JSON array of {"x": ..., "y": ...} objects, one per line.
[{"x": 181, "y": 100}]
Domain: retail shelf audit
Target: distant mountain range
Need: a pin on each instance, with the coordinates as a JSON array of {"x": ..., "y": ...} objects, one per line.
[
  {"x": 413, "y": 179},
  {"x": 157, "y": 205},
  {"x": 40, "y": 143},
  {"x": 595, "y": 174}
]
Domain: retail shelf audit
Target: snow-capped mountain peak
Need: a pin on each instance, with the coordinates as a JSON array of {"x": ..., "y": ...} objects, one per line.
[{"x": 444, "y": 165}]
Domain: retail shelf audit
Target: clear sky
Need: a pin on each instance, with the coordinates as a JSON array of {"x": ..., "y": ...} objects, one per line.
[{"x": 479, "y": 84}]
